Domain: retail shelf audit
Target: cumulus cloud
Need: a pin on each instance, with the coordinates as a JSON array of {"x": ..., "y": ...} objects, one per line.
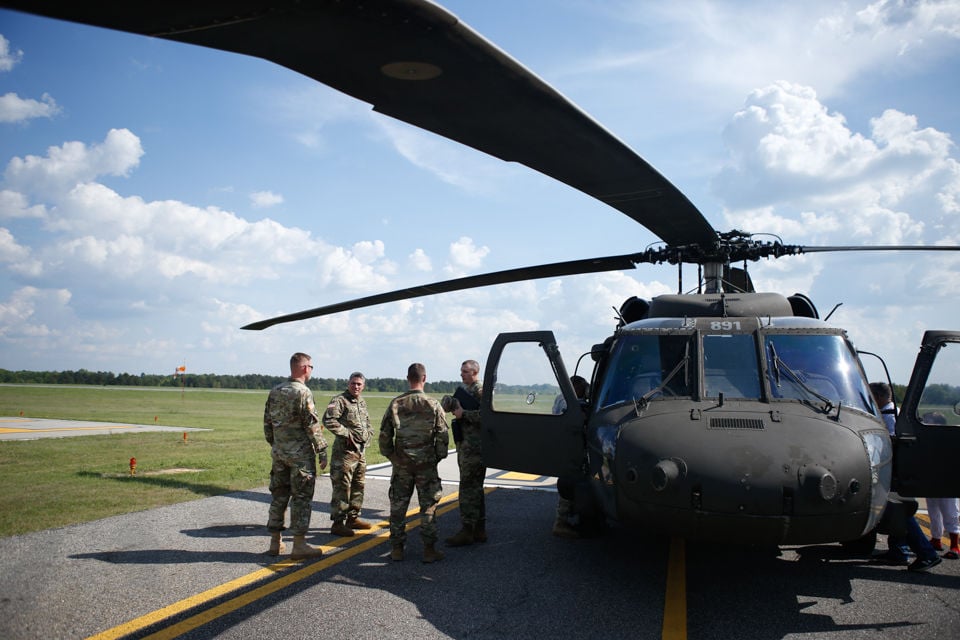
[
  {"x": 74, "y": 163},
  {"x": 16, "y": 205},
  {"x": 8, "y": 58},
  {"x": 13, "y": 108},
  {"x": 787, "y": 150},
  {"x": 420, "y": 261},
  {"x": 465, "y": 256}
]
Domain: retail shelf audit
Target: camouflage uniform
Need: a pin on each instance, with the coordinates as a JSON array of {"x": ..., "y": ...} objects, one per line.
[
  {"x": 414, "y": 437},
  {"x": 347, "y": 418},
  {"x": 473, "y": 512},
  {"x": 291, "y": 426}
]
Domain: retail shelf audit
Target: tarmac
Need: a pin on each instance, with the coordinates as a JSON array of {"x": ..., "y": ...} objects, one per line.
[{"x": 20, "y": 428}]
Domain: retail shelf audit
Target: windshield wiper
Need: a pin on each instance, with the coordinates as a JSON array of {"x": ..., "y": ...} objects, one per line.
[
  {"x": 793, "y": 375},
  {"x": 641, "y": 403}
]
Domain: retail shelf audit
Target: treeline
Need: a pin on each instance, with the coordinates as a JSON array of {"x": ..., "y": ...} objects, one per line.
[{"x": 203, "y": 381}]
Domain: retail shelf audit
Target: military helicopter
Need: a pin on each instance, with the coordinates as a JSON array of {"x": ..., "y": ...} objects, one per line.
[{"x": 726, "y": 414}]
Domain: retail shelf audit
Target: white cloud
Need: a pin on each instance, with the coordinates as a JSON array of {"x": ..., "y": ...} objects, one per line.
[
  {"x": 8, "y": 58},
  {"x": 74, "y": 163},
  {"x": 420, "y": 261},
  {"x": 788, "y": 151},
  {"x": 724, "y": 49},
  {"x": 264, "y": 199},
  {"x": 465, "y": 256},
  {"x": 15, "y": 205},
  {"x": 13, "y": 108}
]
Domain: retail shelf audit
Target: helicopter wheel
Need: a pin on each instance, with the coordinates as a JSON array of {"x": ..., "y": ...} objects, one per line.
[{"x": 862, "y": 546}]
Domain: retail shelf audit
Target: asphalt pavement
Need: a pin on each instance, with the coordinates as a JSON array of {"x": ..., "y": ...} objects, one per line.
[{"x": 197, "y": 570}]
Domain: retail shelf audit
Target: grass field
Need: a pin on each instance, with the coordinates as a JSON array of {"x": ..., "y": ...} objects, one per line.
[{"x": 52, "y": 482}]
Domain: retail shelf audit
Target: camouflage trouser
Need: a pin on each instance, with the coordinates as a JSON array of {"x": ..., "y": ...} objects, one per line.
[
  {"x": 429, "y": 492},
  {"x": 472, "y": 473},
  {"x": 348, "y": 472},
  {"x": 292, "y": 481}
]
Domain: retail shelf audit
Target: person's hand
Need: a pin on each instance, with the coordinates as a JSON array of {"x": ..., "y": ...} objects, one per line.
[{"x": 322, "y": 459}]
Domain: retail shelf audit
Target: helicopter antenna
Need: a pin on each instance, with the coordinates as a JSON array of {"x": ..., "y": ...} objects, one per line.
[{"x": 835, "y": 307}]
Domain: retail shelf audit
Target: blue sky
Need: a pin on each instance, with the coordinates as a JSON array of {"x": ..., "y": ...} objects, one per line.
[{"x": 155, "y": 197}]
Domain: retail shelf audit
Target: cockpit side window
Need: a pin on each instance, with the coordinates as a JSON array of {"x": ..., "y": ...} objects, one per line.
[{"x": 940, "y": 401}]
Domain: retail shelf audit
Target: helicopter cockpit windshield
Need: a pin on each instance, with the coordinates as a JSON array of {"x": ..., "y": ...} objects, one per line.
[
  {"x": 815, "y": 368},
  {"x": 648, "y": 366}
]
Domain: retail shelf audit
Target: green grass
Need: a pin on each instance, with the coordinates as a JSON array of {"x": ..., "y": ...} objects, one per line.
[{"x": 53, "y": 482}]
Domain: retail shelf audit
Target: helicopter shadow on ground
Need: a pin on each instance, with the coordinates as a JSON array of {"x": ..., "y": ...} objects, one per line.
[{"x": 763, "y": 593}]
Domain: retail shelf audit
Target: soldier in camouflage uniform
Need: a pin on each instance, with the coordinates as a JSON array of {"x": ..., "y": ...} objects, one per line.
[
  {"x": 473, "y": 512},
  {"x": 413, "y": 436},
  {"x": 291, "y": 426},
  {"x": 346, "y": 418}
]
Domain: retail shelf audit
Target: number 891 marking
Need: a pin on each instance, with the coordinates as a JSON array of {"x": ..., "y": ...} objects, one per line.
[{"x": 725, "y": 325}]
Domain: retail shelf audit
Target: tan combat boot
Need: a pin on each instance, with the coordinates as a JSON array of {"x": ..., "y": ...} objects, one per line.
[
  {"x": 354, "y": 522},
  {"x": 461, "y": 538},
  {"x": 431, "y": 554},
  {"x": 396, "y": 553},
  {"x": 480, "y": 531},
  {"x": 276, "y": 544},
  {"x": 339, "y": 528},
  {"x": 302, "y": 551}
]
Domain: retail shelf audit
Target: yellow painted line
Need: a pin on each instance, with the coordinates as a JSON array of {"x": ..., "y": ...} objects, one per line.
[
  {"x": 380, "y": 533},
  {"x": 675, "y": 598},
  {"x": 515, "y": 475},
  {"x": 102, "y": 426}
]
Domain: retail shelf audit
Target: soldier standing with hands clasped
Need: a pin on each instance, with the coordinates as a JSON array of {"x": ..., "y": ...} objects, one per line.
[
  {"x": 468, "y": 438},
  {"x": 347, "y": 418},
  {"x": 291, "y": 426},
  {"x": 413, "y": 436}
]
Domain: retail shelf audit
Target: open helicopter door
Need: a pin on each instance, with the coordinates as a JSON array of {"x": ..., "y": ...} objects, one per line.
[
  {"x": 928, "y": 426},
  {"x": 530, "y": 415}
]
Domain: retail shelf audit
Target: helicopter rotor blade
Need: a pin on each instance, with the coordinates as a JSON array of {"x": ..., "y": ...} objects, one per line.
[
  {"x": 554, "y": 270},
  {"x": 887, "y": 247},
  {"x": 416, "y": 62}
]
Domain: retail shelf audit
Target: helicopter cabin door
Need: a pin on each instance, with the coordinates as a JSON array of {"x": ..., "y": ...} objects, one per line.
[
  {"x": 927, "y": 446},
  {"x": 531, "y": 418}
]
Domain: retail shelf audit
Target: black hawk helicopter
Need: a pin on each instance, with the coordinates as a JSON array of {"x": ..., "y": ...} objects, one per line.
[{"x": 728, "y": 414}]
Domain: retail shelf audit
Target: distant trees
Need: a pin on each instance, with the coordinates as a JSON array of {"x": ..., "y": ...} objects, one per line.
[
  {"x": 203, "y": 381},
  {"x": 934, "y": 394}
]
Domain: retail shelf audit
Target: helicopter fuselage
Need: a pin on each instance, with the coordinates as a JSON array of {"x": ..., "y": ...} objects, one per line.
[
  {"x": 737, "y": 428},
  {"x": 745, "y": 428}
]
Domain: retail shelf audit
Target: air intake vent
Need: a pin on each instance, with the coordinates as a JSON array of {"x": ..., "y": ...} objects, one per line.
[{"x": 735, "y": 423}]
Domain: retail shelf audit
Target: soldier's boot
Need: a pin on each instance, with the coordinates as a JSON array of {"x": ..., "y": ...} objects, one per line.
[
  {"x": 396, "y": 553},
  {"x": 302, "y": 551},
  {"x": 431, "y": 553},
  {"x": 276, "y": 545},
  {"x": 354, "y": 522},
  {"x": 340, "y": 528},
  {"x": 461, "y": 538},
  {"x": 480, "y": 531},
  {"x": 562, "y": 529}
]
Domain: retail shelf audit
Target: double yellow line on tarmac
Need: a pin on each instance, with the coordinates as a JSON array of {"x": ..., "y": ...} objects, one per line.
[
  {"x": 674, "y": 613},
  {"x": 380, "y": 534}
]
